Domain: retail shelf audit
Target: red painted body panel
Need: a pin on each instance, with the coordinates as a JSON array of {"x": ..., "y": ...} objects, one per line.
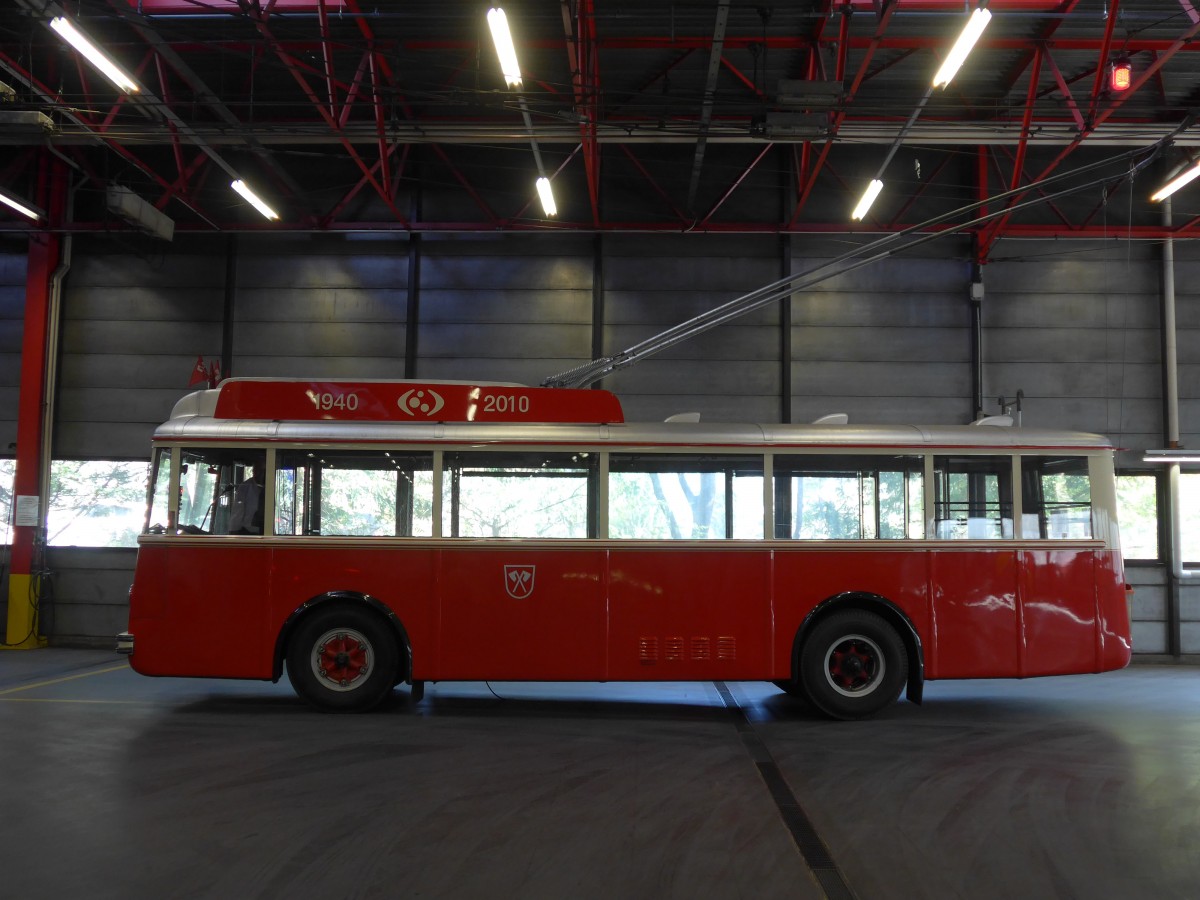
[
  {"x": 594, "y": 611},
  {"x": 975, "y": 619},
  {"x": 555, "y": 631},
  {"x": 694, "y": 614}
]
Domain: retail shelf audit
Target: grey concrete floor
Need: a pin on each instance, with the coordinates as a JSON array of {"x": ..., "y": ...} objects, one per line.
[{"x": 120, "y": 786}]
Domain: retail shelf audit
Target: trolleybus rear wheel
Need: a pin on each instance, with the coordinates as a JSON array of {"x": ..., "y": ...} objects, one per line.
[
  {"x": 342, "y": 659},
  {"x": 853, "y": 664}
]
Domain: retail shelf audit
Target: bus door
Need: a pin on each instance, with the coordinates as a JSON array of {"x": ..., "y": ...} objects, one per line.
[
  {"x": 359, "y": 523},
  {"x": 522, "y": 592},
  {"x": 974, "y": 572},
  {"x": 689, "y": 579},
  {"x": 214, "y": 609}
]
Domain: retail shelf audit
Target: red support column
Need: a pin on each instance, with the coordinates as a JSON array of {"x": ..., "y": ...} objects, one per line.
[{"x": 45, "y": 253}]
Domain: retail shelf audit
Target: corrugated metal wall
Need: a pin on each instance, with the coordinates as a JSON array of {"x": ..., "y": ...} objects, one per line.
[
  {"x": 1074, "y": 327},
  {"x": 12, "y": 314}
]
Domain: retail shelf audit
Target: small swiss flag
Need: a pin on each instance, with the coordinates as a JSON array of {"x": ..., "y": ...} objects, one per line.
[{"x": 199, "y": 373}]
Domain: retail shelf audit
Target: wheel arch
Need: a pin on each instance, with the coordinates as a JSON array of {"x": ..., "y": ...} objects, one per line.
[
  {"x": 881, "y": 606},
  {"x": 351, "y": 597}
]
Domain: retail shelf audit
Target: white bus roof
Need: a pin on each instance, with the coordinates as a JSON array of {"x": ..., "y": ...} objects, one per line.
[{"x": 316, "y": 412}]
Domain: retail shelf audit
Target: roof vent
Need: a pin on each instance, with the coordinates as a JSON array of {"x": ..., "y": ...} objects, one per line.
[
  {"x": 999, "y": 421},
  {"x": 833, "y": 419},
  {"x": 683, "y": 417}
]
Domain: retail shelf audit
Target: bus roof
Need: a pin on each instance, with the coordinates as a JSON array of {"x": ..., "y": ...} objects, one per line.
[{"x": 247, "y": 410}]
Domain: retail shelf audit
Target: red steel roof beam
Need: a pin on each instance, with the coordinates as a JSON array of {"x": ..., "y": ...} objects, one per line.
[
  {"x": 587, "y": 98},
  {"x": 1102, "y": 62},
  {"x": 352, "y": 92},
  {"x": 293, "y": 67},
  {"x": 332, "y": 215},
  {"x": 994, "y": 229},
  {"x": 925, "y": 185},
  {"x": 380, "y": 129},
  {"x": 1062, "y": 85},
  {"x": 470, "y": 189},
  {"x": 885, "y": 16},
  {"x": 165, "y": 90},
  {"x": 737, "y": 183},
  {"x": 1026, "y": 120},
  {"x": 327, "y": 54},
  {"x": 1059, "y": 16},
  {"x": 654, "y": 184}
]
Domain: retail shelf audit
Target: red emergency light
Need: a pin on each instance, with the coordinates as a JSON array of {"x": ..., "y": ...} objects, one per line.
[{"x": 1120, "y": 75}]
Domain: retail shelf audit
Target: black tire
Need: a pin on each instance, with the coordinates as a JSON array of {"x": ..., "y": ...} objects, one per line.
[
  {"x": 792, "y": 688},
  {"x": 853, "y": 664},
  {"x": 342, "y": 659}
]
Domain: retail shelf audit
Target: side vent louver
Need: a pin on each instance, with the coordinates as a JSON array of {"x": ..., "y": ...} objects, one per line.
[
  {"x": 700, "y": 648},
  {"x": 648, "y": 650},
  {"x": 726, "y": 648},
  {"x": 673, "y": 649}
]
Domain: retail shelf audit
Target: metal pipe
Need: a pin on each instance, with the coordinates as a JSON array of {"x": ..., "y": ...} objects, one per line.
[
  {"x": 1171, "y": 394},
  {"x": 53, "y": 340}
]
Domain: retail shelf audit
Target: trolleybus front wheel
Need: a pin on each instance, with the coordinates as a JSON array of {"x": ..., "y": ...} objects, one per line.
[
  {"x": 853, "y": 664},
  {"x": 342, "y": 659}
]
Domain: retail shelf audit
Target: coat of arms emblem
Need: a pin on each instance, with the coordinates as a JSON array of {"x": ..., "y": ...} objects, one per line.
[{"x": 518, "y": 581}]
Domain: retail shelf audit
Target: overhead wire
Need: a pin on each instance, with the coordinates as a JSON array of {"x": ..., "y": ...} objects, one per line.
[{"x": 856, "y": 258}]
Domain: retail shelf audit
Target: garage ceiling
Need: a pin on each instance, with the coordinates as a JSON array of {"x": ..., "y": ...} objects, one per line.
[{"x": 722, "y": 115}]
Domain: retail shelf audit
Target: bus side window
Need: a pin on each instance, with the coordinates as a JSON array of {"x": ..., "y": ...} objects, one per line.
[
  {"x": 1056, "y": 497},
  {"x": 669, "y": 496},
  {"x": 159, "y": 519},
  {"x": 221, "y": 491},
  {"x": 973, "y": 497},
  {"x": 521, "y": 494},
  {"x": 354, "y": 493},
  {"x": 849, "y": 498}
]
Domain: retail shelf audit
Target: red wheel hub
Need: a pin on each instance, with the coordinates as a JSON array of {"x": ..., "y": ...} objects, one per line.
[
  {"x": 342, "y": 658},
  {"x": 852, "y": 665}
]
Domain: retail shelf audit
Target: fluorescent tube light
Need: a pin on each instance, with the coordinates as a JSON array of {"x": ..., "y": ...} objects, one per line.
[
  {"x": 1176, "y": 183},
  {"x": 547, "y": 195},
  {"x": 1171, "y": 456},
  {"x": 20, "y": 207},
  {"x": 962, "y": 47},
  {"x": 868, "y": 198},
  {"x": 253, "y": 199},
  {"x": 504, "y": 47},
  {"x": 94, "y": 54}
]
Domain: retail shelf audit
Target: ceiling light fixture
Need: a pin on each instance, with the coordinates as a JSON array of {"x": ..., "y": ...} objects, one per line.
[
  {"x": 547, "y": 196},
  {"x": 502, "y": 37},
  {"x": 97, "y": 57},
  {"x": 1120, "y": 74},
  {"x": 253, "y": 199},
  {"x": 962, "y": 47},
  {"x": 20, "y": 206},
  {"x": 1175, "y": 455},
  {"x": 868, "y": 198},
  {"x": 1176, "y": 183}
]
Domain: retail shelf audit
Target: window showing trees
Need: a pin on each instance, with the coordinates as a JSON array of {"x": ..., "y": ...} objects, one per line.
[
  {"x": 530, "y": 495},
  {"x": 160, "y": 486},
  {"x": 354, "y": 493},
  {"x": 1056, "y": 497},
  {"x": 973, "y": 497},
  {"x": 1189, "y": 516},
  {"x": 96, "y": 503},
  {"x": 849, "y": 497},
  {"x": 8, "y": 471},
  {"x": 664, "y": 496},
  {"x": 220, "y": 490},
  {"x": 1137, "y": 515}
]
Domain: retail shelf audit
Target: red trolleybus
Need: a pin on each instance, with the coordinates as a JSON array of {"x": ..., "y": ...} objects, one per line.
[{"x": 371, "y": 533}]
